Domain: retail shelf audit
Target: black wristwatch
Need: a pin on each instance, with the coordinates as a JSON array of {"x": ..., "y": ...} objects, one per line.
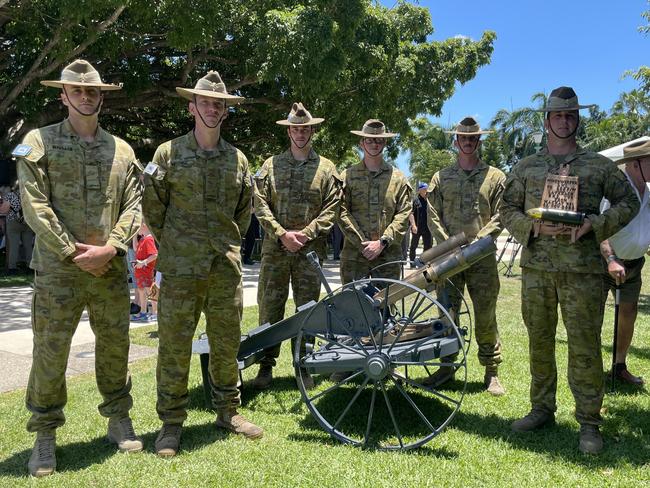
[
  {"x": 611, "y": 257},
  {"x": 384, "y": 241}
]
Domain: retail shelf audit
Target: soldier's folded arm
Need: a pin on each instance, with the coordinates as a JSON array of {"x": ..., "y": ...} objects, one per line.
[
  {"x": 624, "y": 205},
  {"x": 403, "y": 208},
  {"x": 434, "y": 215},
  {"x": 130, "y": 218},
  {"x": 261, "y": 192},
  {"x": 37, "y": 208},
  {"x": 349, "y": 225},
  {"x": 494, "y": 226},
  {"x": 325, "y": 219},
  {"x": 242, "y": 215},
  {"x": 155, "y": 198},
  {"x": 512, "y": 212}
]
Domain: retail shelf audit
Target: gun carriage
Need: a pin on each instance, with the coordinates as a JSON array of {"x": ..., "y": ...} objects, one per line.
[{"x": 390, "y": 335}]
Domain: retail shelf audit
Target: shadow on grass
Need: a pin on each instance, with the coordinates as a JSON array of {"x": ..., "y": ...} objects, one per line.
[
  {"x": 77, "y": 456},
  {"x": 623, "y": 442}
]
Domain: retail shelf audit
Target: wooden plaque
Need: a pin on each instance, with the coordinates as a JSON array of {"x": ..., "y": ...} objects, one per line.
[{"x": 560, "y": 193}]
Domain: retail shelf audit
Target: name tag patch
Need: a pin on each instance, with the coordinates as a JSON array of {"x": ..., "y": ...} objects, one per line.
[{"x": 151, "y": 169}]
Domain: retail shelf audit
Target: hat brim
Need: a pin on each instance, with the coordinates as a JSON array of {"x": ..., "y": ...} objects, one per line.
[
  {"x": 190, "y": 93},
  {"x": 478, "y": 133},
  {"x": 314, "y": 121},
  {"x": 565, "y": 109},
  {"x": 627, "y": 159},
  {"x": 385, "y": 135},
  {"x": 61, "y": 84}
]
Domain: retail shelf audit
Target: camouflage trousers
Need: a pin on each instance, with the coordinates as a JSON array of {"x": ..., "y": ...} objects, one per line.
[
  {"x": 580, "y": 298},
  {"x": 58, "y": 302},
  {"x": 355, "y": 267},
  {"x": 277, "y": 270},
  {"x": 181, "y": 301},
  {"x": 482, "y": 281}
]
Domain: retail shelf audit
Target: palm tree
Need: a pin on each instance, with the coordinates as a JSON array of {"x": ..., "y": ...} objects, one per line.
[{"x": 515, "y": 128}]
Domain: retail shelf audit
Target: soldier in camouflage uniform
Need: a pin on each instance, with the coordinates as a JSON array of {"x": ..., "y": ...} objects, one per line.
[
  {"x": 81, "y": 196},
  {"x": 466, "y": 198},
  {"x": 557, "y": 271},
  {"x": 375, "y": 207},
  {"x": 197, "y": 205},
  {"x": 296, "y": 200}
]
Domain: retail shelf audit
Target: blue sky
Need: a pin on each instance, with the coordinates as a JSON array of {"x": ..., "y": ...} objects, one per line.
[{"x": 541, "y": 45}]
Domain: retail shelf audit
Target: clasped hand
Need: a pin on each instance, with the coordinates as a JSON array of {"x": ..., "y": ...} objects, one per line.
[{"x": 93, "y": 259}]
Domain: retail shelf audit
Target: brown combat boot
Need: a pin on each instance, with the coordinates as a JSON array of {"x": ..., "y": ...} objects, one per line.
[
  {"x": 168, "y": 440},
  {"x": 443, "y": 375},
  {"x": 120, "y": 432},
  {"x": 492, "y": 383},
  {"x": 536, "y": 419},
  {"x": 238, "y": 424},
  {"x": 42, "y": 462},
  {"x": 591, "y": 440},
  {"x": 264, "y": 377}
]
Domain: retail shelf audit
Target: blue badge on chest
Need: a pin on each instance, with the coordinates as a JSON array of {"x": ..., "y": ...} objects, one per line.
[{"x": 21, "y": 150}]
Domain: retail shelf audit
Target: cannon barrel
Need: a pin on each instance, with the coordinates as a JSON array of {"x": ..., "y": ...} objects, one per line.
[
  {"x": 441, "y": 268},
  {"x": 443, "y": 248}
]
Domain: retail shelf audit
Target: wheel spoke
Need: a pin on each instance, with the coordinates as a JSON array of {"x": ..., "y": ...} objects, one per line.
[
  {"x": 384, "y": 317},
  {"x": 354, "y": 399},
  {"x": 335, "y": 386},
  {"x": 392, "y": 416},
  {"x": 415, "y": 407},
  {"x": 370, "y": 413},
  {"x": 422, "y": 311},
  {"x": 431, "y": 390},
  {"x": 416, "y": 305},
  {"x": 370, "y": 332}
]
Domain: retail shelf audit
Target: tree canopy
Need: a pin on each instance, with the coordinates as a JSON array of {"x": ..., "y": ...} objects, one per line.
[{"x": 347, "y": 60}]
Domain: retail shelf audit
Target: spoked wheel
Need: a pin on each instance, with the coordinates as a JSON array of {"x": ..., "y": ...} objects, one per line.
[
  {"x": 383, "y": 401},
  {"x": 462, "y": 317}
]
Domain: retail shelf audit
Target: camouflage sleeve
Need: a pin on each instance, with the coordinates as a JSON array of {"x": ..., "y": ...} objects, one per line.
[
  {"x": 511, "y": 211},
  {"x": 434, "y": 219},
  {"x": 130, "y": 215},
  {"x": 349, "y": 226},
  {"x": 494, "y": 225},
  {"x": 262, "y": 198},
  {"x": 156, "y": 193},
  {"x": 35, "y": 195},
  {"x": 624, "y": 205},
  {"x": 321, "y": 225},
  {"x": 403, "y": 208},
  {"x": 243, "y": 210}
]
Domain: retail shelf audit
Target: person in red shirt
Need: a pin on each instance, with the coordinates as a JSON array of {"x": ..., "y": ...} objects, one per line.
[{"x": 146, "y": 254}]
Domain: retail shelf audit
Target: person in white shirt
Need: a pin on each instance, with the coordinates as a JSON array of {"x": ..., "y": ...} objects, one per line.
[{"x": 624, "y": 253}]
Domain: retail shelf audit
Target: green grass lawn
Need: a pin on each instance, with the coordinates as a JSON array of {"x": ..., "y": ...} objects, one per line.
[{"x": 478, "y": 448}]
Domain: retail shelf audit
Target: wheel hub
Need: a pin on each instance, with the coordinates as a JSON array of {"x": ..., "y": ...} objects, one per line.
[{"x": 377, "y": 366}]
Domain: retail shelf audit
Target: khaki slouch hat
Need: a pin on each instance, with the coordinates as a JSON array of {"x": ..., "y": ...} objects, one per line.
[
  {"x": 299, "y": 116},
  {"x": 81, "y": 73},
  {"x": 211, "y": 86},
  {"x": 374, "y": 128}
]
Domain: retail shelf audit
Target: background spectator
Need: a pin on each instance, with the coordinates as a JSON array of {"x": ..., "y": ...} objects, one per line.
[{"x": 18, "y": 233}]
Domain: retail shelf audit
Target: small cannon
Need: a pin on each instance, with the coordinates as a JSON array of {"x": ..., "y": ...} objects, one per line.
[{"x": 389, "y": 336}]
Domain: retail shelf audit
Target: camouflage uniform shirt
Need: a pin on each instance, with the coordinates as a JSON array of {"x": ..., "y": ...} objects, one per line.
[
  {"x": 197, "y": 204},
  {"x": 466, "y": 202},
  {"x": 296, "y": 195},
  {"x": 76, "y": 191},
  {"x": 375, "y": 204},
  {"x": 598, "y": 177}
]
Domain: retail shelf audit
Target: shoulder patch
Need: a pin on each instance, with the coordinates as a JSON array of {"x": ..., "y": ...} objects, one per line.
[
  {"x": 151, "y": 168},
  {"x": 21, "y": 150}
]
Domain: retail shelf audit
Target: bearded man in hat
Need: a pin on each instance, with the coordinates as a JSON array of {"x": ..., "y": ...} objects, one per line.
[
  {"x": 375, "y": 209},
  {"x": 624, "y": 255},
  {"x": 197, "y": 204},
  {"x": 81, "y": 195},
  {"x": 563, "y": 269},
  {"x": 296, "y": 201},
  {"x": 466, "y": 197}
]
